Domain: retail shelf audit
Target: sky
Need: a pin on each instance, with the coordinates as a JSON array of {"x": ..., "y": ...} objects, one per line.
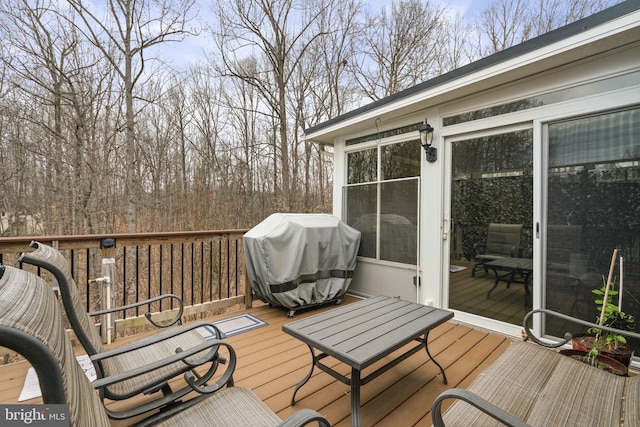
[
  {"x": 192, "y": 49},
  {"x": 466, "y": 8}
]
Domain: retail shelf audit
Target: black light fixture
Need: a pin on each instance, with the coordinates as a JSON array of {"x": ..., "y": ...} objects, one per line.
[{"x": 426, "y": 138}]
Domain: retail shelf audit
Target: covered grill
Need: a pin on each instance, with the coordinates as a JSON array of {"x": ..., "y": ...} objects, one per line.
[{"x": 300, "y": 260}]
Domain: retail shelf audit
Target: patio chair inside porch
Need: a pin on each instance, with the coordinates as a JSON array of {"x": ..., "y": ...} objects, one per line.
[
  {"x": 503, "y": 240},
  {"x": 143, "y": 356},
  {"x": 31, "y": 323}
]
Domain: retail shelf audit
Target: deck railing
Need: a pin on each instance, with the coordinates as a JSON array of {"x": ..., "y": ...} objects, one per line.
[{"x": 205, "y": 269}]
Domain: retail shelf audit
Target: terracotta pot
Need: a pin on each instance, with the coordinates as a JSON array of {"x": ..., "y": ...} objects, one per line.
[
  {"x": 605, "y": 363},
  {"x": 585, "y": 343}
]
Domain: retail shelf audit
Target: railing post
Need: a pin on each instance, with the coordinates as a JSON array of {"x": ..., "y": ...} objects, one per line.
[
  {"x": 248, "y": 293},
  {"x": 109, "y": 274},
  {"x": 242, "y": 276}
]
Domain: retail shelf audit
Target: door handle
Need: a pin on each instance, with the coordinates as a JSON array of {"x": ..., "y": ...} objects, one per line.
[{"x": 445, "y": 229}]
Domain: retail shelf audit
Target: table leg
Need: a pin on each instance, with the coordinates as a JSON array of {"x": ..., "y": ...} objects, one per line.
[
  {"x": 527, "y": 278},
  {"x": 304, "y": 381},
  {"x": 426, "y": 347},
  {"x": 355, "y": 398},
  {"x": 495, "y": 285},
  {"x": 527, "y": 293}
]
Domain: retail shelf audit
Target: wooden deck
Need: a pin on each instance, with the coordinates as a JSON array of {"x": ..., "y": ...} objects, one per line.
[
  {"x": 469, "y": 294},
  {"x": 271, "y": 363}
]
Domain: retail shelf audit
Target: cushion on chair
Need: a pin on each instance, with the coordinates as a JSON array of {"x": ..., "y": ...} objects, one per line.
[
  {"x": 145, "y": 354},
  {"x": 45, "y": 253},
  {"x": 231, "y": 407},
  {"x": 542, "y": 388}
]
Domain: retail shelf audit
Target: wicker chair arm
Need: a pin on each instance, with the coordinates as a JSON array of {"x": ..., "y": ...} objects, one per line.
[
  {"x": 154, "y": 339},
  {"x": 180, "y": 355},
  {"x": 225, "y": 379},
  {"x": 476, "y": 401},
  {"x": 176, "y": 320},
  {"x": 304, "y": 417}
]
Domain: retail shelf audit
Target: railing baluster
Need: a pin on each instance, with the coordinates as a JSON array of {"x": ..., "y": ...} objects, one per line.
[
  {"x": 124, "y": 267},
  {"x": 219, "y": 269},
  {"x": 170, "y": 275},
  {"x": 160, "y": 267},
  {"x": 201, "y": 272},
  {"x": 228, "y": 267},
  {"x": 236, "y": 279},
  {"x": 193, "y": 253},
  {"x": 210, "y": 257},
  {"x": 149, "y": 262}
]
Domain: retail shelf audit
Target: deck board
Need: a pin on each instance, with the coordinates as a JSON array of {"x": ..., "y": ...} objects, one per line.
[
  {"x": 271, "y": 363},
  {"x": 469, "y": 294}
]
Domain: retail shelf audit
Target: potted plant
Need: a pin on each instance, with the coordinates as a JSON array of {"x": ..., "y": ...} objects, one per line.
[{"x": 599, "y": 342}]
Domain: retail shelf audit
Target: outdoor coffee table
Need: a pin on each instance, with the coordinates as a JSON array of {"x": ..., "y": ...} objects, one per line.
[
  {"x": 513, "y": 268},
  {"x": 361, "y": 334}
]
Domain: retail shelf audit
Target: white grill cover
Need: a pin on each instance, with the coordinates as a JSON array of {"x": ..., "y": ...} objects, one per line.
[{"x": 297, "y": 260}]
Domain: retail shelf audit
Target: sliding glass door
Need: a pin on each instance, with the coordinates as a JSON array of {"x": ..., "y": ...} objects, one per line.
[
  {"x": 491, "y": 206},
  {"x": 593, "y": 207}
]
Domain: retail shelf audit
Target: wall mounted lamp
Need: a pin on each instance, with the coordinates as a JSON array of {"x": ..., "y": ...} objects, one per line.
[{"x": 426, "y": 139}]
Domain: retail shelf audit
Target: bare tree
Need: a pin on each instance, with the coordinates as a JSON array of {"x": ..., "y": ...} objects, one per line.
[
  {"x": 124, "y": 35},
  {"x": 244, "y": 142},
  {"x": 49, "y": 54},
  {"x": 505, "y": 23},
  {"x": 399, "y": 47},
  {"x": 95, "y": 139},
  {"x": 331, "y": 87},
  {"x": 456, "y": 49},
  {"x": 277, "y": 33}
]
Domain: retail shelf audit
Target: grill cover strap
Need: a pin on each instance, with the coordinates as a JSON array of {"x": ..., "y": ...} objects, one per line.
[{"x": 310, "y": 278}]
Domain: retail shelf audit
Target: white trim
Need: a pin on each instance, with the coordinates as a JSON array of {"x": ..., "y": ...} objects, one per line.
[
  {"x": 539, "y": 214},
  {"x": 486, "y": 323},
  {"x": 594, "y": 69},
  {"x": 558, "y": 111}
]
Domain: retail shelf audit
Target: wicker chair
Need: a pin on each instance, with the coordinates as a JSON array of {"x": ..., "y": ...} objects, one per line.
[
  {"x": 503, "y": 240},
  {"x": 138, "y": 359},
  {"x": 31, "y": 324},
  {"x": 531, "y": 385}
]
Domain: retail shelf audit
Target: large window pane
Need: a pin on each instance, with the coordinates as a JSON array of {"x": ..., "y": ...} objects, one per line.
[
  {"x": 604, "y": 138},
  {"x": 593, "y": 207},
  {"x": 361, "y": 213},
  {"x": 385, "y": 211},
  {"x": 401, "y": 160},
  {"x": 362, "y": 166},
  {"x": 491, "y": 184},
  {"x": 398, "y": 221}
]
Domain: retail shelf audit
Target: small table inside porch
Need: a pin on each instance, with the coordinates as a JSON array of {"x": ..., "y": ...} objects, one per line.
[
  {"x": 361, "y": 334},
  {"x": 513, "y": 267}
]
